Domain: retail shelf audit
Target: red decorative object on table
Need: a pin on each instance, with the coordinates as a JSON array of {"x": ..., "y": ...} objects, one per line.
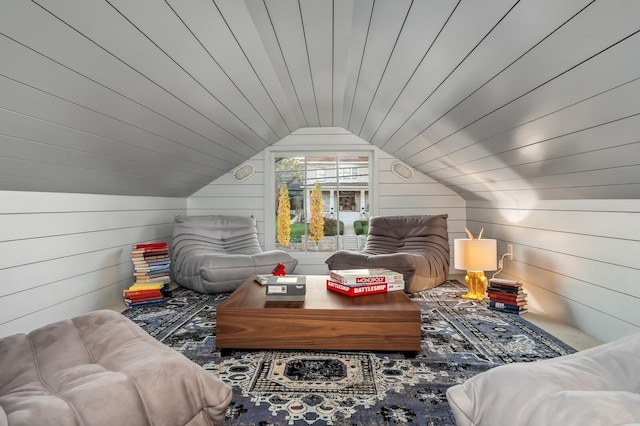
[{"x": 279, "y": 270}]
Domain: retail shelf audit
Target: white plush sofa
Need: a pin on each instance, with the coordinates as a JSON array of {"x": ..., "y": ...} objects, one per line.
[{"x": 598, "y": 386}]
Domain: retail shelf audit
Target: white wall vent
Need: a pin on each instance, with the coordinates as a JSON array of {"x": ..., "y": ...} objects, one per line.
[
  {"x": 402, "y": 170},
  {"x": 244, "y": 172}
]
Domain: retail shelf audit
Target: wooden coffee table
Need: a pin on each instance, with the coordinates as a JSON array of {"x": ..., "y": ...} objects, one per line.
[{"x": 324, "y": 321}]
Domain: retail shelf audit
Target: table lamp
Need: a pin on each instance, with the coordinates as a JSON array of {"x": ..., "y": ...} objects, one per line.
[{"x": 475, "y": 255}]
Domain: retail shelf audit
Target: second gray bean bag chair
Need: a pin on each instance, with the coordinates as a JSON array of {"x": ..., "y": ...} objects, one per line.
[
  {"x": 415, "y": 246},
  {"x": 215, "y": 254}
]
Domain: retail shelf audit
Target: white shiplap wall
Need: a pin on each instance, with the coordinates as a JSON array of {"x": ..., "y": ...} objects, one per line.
[
  {"x": 64, "y": 254},
  {"x": 578, "y": 259},
  {"x": 394, "y": 196}
]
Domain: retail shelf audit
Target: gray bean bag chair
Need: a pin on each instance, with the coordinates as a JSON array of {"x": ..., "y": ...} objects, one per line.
[
  {"x": 415, "y": 246},
  {"x": 215, "y": 254}
]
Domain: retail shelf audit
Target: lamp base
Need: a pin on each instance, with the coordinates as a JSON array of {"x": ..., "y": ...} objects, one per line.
[{"x": 477, "y": 285}]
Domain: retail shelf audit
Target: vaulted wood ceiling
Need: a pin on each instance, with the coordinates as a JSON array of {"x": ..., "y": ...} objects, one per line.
[{"x": 496, "y": 98}]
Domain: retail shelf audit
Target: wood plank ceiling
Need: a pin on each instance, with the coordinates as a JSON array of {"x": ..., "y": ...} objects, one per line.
[{"x": 497, "y": 98}]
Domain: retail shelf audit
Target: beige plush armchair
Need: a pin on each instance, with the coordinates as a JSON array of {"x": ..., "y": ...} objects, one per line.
[
  {"x": 416, "y": 246},
  {"x": 102, "y": 369}
]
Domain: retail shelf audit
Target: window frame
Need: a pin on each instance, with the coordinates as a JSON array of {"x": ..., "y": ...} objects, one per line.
[{"x": 269, "y": 185}]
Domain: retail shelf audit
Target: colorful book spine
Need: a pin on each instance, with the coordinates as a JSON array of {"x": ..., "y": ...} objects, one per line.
[
  {"x": 504, "y": 289},
  {"x": 137, "y": 256},
  {"x": 510, "y": 297},
  {"x": 149, "y": 251},
  {"x": 142, "y": 299},
  {"x": 509, "y": 302},
  {"x": 146, "y": 286},
  {"x": 144, "y": 303},
  {"x": 505, "y": 307},
  {"x": 135, "y": 293},
  {"x": 151, "y": 279},
  {"x": 365, "y": 276},
  {"x": 502, "y": 281},
  {"x": 151, "y": 245},
  {"x": 152, "y": 264},
  {"x": 363, "y": 290},
  {"x": 151, "y": 275},
  {"x": 520, "y": 312},
  {"x": 142, "y": 282}
]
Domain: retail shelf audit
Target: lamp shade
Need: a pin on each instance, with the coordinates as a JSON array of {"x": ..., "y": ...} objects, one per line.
[{"x": 475, "y": 255}]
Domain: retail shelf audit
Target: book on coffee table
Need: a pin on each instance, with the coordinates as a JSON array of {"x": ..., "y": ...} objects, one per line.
[
  {"x": 365, "y": 276},
  {"x": 262, "y": 279},
  {"x": 364, "y": 289},
  {"x": 288, "y": 288}
]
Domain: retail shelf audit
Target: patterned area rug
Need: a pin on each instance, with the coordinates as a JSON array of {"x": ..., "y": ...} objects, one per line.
[{"x": 460, "y": 338}]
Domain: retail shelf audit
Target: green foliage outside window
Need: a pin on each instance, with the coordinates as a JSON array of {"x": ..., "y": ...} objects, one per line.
[
  {"x": 361, "y": 227},
  {"x": 331, "y": 227}
]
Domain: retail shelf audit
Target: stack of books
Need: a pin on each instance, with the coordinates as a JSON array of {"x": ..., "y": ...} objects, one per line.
[
  {"x": 151, "y": 272},
  {"x": 361, "y": 282},
  {"x": 147, "y": 295},
  {"x": 507, "y": 296}
]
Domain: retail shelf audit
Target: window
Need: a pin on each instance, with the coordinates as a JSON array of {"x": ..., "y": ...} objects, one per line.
[
  {"x": 328, "y": 201},
  {"x": 349, "y": 173}
]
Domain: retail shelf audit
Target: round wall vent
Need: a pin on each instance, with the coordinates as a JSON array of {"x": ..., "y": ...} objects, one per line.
[
  {"x": 402, "y": 170},
  {"x": 244, "y": 172}
]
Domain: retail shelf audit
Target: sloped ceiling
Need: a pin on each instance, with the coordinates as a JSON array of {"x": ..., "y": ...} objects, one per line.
[{"x": 497, "y": 98}]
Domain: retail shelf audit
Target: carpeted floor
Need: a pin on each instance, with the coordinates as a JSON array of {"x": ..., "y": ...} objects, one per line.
[{"x": 460, "y": 338}]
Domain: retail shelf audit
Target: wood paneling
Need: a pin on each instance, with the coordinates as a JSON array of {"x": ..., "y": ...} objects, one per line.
[
  {"x": 460, "y": 90},
  {"x": 213, "y": 32},
  {"x": 578, "y": 259},
  {"x": 423, "y": 23},
  {"x": 390, "y": 17},
  {"x": 65, "y": 254},
  {"x": 455, "y": 42}
]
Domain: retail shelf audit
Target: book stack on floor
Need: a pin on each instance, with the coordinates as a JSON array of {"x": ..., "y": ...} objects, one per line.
[
  {"x": 151, "y": 270},
  {"x": 361, "y": 282},
  {"x": 507, "y": 296}
]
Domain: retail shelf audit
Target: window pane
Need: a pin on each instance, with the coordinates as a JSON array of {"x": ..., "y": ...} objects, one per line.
[
  {"x": 289, "y": 184},
  {"x": 352, "y": 197}
]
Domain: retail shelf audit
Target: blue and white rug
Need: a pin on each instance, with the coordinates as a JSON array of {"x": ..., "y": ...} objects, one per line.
[{"x": 460, "y": 338}]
